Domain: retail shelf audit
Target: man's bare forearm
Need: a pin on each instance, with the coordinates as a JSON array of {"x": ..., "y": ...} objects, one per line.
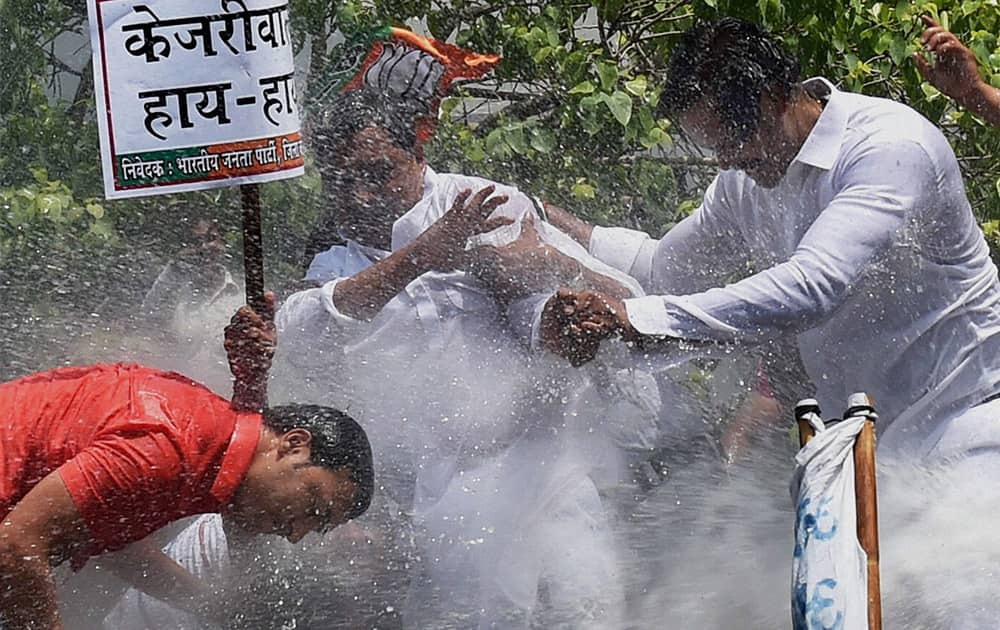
[
  {"x": 27, "y": 591},
  {"x": 364, "y": 294},
  {"x": 578, "y": 229},
  {"x": 249, "y": 395},
  {"x": 599, "y": 282},
  {"x": 153, "y": 572},
  {"x": 984, "y": 101}
]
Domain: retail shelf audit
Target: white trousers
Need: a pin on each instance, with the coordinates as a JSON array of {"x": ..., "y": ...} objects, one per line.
[{"x": 521, "y": 541}]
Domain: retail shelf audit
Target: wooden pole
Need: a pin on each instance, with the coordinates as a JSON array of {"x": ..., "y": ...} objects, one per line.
[
  {"x": 253, "y": 269},
  {"x": 803, "y": 410},
  {"x": 866, "y": 499},
  {"x": 253, "y": 248}
]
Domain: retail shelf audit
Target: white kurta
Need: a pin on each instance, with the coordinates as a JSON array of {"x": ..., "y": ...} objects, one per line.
[
  {"x": 489, "y": 444},
  {"x": 202, "y": 549},
  {"x": 867, "y": 248}
]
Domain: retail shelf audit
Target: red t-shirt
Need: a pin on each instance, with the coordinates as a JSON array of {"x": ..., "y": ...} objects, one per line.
[{"x": 136, "y": 447}]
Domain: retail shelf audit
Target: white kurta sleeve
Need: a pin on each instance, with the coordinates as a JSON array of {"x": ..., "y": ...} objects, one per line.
[
  {"x": 309, "y": 323},
  {"x": 877, "y": 191},
  {"x": 696, "y": 254}
]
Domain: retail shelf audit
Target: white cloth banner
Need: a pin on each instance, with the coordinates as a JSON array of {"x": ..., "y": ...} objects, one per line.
[
  {"x": 194, "y": 94},
  {"x": 829, "y": 571}
]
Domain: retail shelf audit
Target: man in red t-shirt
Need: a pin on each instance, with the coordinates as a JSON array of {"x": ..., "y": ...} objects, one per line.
[{"x": 94, "y": 458}]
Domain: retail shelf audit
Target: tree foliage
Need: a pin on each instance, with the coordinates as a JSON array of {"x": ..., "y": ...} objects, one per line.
[{"x": 570, "y": 115}]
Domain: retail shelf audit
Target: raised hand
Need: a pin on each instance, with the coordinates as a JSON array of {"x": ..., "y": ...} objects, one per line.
[
  {"x": 574, "y": 324},
  {"x": 250, "y": 340},
  {"x": 954, "y": 71},
  {"x": 441, "y": 247}
]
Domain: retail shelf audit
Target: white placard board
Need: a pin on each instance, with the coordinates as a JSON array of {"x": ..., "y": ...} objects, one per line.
[{"x": 194, "y": 94}]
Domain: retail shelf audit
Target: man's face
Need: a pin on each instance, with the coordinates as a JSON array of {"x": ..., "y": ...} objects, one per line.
[
  {"x": 284, "y": 494},
  {"x": 374, "y": 182},
  {"x": 764, "y": 155}
]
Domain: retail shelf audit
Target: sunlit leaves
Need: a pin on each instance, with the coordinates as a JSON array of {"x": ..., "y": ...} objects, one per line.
[
  {"x": 620, "y": 105},
  {"x": 580, "y": 83},
  {"x": 636, "y": 86},
  {"x": 608, "y": 74},
  {"x": 583, "y": 190}
]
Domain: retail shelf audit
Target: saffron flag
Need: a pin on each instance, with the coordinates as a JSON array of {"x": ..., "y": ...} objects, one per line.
[{"x": 405, "y": 65}]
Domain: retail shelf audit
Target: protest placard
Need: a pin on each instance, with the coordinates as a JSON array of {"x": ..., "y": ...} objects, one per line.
[{"x": 194, "y": 94}]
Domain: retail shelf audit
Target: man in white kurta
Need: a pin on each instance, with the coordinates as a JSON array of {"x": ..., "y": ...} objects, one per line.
[
  {"x": 868, "y": 247},
  {"x": 495, "y": 450},
  {"x": 865, "y": 246}
]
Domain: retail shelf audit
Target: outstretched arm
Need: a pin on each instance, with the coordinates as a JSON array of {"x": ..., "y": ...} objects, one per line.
[
  {"x": 861, "y": 221},
  {"x": 571, "y": 224},
  {"x": 153, "y": 572},
  {"x": 439, "y": 248},
  {"x": 528, "y": 265},
  {"x": 43, "y": 529},
  {"x": 955, "y": 72}
]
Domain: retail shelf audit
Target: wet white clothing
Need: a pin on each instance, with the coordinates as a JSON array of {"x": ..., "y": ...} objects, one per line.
[
  {"x": 867, "y": 248},
  {"x": 457, "y": 410},
  {"x": 201, "y": 548}
]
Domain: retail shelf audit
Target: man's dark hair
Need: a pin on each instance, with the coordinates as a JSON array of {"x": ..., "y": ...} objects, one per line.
[
  {"x": 338, "y": 443},
  {"x": 346, "y": 115},
  {"x": 731, "y": 62},
  {"x": 330, "y": 131}
]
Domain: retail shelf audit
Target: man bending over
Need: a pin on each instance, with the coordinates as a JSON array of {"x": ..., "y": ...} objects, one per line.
[{"x": 95, "y": 458}]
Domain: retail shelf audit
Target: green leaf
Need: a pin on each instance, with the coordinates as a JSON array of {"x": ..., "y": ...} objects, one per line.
[
  {"x": 516, "y": 139},
  {"x": 688, "y": 206},
  {"x": 103, "y": 229},
  {"x": 620, "y": 105},
  {"x": 583, "y": 190},
  {"x": 448, "y": 105},
  {"x": 646, "y": 121},
  {"x": 51, "y": 205},
  {"x": 608, "y": 73},
  {"x": 541, "y": 54},
  {"x": 898, "y": 50},
  {"x": 592, "y": 101},
  {"x": 542, "y": 140},
  {"x": 903, "y": 10},
  {"x": 475, "y": 154},
  {"x": 495, "y": 144},
  {"x": 968, "y": 8},
  {"x": 552, "y": 36},
  {"x": 583, "y": 88},
  {"x": 637, "y": 86},
  {"x": 654, "y": 137},
  {"x": 95, "y": 210}
]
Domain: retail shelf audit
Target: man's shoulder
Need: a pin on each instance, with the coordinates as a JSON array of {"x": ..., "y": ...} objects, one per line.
[
  {"x": 75, "y": 376},
  {"x": 450, "y": 184},
  {"x": 877, "y": 121}
]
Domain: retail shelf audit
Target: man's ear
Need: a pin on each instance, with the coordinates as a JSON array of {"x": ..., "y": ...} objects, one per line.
[{"x": 297, "y": 443}]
